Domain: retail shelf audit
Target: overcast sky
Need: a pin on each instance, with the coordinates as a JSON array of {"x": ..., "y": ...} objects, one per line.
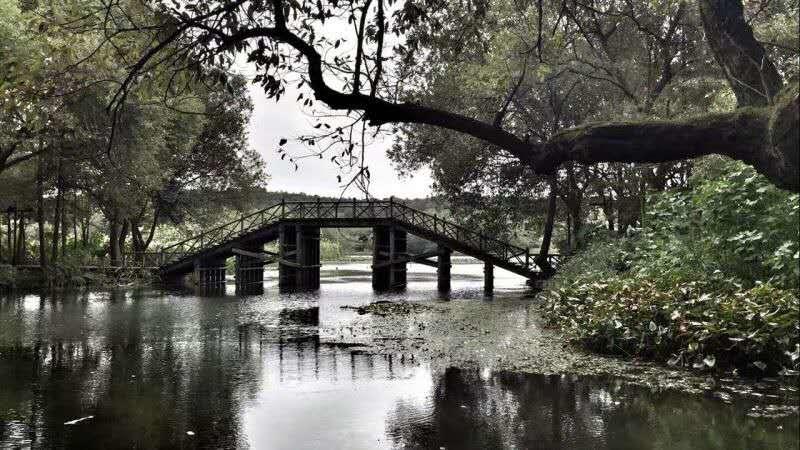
[{"x": 271, "y": 121}]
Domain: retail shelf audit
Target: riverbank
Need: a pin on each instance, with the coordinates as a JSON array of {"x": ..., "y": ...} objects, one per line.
[{"x": 61, "y": 276}]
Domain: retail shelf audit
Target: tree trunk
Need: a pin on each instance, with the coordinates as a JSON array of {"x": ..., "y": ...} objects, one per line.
[
  {"x": 85, "y": 232},
  {"x": 542, "y": 260},
  {"x": 9, "y": 238},
  {"x": 63, "y": 226},
  {"x": 21, "y": 252},
  {"x": 40, "y": 213},
  {"x": 569, "y": 233},
  {"x": 750, "y": 73},
  {"x": 75, "y": 222},
  {"x": 137, "y": 241},
  {"x": 123, "y": 234},
  {"x": 12, "y": 241},
  {"x": 156, "y": 213},
  {"x": 57, "y": 217},
  {"x": 114, "y": 232}
]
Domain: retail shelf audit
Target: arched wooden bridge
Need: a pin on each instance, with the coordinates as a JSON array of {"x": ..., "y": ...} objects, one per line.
[{"x": 296, "y": 226}]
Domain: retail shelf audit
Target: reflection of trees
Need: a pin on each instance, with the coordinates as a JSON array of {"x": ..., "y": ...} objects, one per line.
[
  {"x": 509, "y": 410},
  {"x": 142, "y": 369}
]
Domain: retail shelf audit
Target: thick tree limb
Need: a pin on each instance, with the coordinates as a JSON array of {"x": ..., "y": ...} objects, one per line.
[{"x": 766, "y": 138}]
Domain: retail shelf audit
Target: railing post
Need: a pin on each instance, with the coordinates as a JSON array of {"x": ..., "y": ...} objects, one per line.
[
  {"x": 319, "y": 212},
  {"x": 354, "y": 207},
  {"x": 527, "y": 256},
  {"x": 391, "y": 206},
  {"x": 283, "y": 207}
]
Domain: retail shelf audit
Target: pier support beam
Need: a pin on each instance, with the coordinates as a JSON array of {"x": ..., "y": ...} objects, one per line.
[
  {"x": 299, "y": 262},
  {"x": 250, "y": 271},
  {"x": 488, "y": 278},
  {"x": 209, "y": 271},
  {"x": 390, "y": 246},
  {"x": 443, "y": 268}
]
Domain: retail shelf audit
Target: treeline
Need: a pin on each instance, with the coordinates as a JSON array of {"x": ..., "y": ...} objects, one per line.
[{"x": 80, "y": 180}]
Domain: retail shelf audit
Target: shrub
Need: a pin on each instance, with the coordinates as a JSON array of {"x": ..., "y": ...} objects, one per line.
[
  {"x": 700, "y": 322},
  {"x": 711, "y": 280}
]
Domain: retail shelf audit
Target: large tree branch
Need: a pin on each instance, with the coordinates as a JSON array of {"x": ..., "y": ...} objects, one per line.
[
  {"x": 766, "y": 138},
  {"x": 378, "y": 111},
  {"x": 11, "y": 162}
]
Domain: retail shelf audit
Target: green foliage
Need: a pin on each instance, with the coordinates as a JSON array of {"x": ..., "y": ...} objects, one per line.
[
  {"x": 330, "y": 250},
  {"x": 733, "y": 221},
  {"x": 711, "y": 280}
]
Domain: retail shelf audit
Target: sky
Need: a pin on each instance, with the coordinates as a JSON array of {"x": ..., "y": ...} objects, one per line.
[{"x": 272, "y": 121}]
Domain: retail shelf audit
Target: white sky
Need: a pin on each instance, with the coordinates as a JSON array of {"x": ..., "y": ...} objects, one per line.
[{"x": 272, "y": 121}]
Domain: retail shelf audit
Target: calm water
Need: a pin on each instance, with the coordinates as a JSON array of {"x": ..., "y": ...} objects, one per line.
[{"x": 153, "y": 369}]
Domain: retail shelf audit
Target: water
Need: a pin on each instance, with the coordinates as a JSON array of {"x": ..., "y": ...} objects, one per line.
[{"x": 153, "y": 369}]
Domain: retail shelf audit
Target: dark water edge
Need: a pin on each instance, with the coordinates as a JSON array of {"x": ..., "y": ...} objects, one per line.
[{"x": 152, "y": 369}]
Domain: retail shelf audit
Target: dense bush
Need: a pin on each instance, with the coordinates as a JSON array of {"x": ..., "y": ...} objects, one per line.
[{"x": 710, "y": 281}]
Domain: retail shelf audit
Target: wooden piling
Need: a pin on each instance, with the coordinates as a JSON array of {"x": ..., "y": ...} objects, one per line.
[
  {"x": 488, "y": 278},
  {"x": 443, "y": 268}
]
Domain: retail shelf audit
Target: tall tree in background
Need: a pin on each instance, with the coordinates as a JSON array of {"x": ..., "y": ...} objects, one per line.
[{"x": 178, "y": 129}]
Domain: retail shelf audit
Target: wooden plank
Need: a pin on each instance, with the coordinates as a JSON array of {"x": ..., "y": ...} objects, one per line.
[
  {"x": 262, "y": 255},
  {"x": 296, "y": 265},
  {"x": 421, "y": 258}
]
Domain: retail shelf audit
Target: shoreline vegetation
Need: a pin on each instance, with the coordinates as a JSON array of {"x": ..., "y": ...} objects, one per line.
[{"x": 709, "y": 282}]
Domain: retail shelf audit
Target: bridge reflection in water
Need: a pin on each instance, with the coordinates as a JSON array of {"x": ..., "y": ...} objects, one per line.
[{"x": 144, "y": 368}]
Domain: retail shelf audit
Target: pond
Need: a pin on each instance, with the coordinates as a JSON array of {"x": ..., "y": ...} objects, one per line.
[{"x": 147, "y": 368}]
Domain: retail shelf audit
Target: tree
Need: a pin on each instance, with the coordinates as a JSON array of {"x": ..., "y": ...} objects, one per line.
[{"x": 285, "y": 38}]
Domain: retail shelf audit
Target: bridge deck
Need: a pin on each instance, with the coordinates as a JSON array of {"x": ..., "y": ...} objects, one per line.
[{"x": 262, "y": 226}]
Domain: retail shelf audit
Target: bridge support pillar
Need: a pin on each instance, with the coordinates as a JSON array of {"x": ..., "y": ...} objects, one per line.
[
  {"x": 209, "y": 271},
  {"x": 488, "y": 278},
  {"x": 443, "y": 268},
  {"x": 298, "y": 267},
  {"x": 390, "y": 245},
  {"x": 250, "y": 272}
]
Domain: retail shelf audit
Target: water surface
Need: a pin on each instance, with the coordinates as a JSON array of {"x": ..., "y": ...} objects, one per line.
[{"x": 154, "y": 369}]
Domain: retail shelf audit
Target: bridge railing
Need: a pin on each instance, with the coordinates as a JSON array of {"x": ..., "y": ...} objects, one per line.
[{"x": 346, "y": 209}]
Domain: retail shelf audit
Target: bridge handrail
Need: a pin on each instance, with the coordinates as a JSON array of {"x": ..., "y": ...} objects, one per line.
[{"x": 388, "y": 209}]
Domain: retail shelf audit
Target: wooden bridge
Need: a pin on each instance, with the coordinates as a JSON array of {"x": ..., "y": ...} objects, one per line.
[{"x": 296, "y": 225}]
